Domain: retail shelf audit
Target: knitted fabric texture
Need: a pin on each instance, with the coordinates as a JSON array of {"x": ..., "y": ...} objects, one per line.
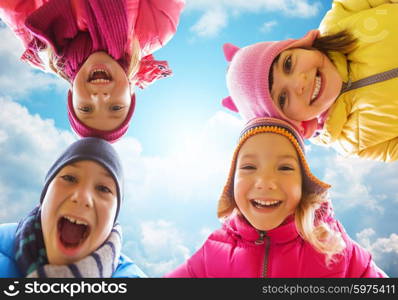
[
  {"x": 102, "y": 263},
  {"x": 30, "y": 251},
  {"x": 311, "y": 183},
  {"x": 93, "y": 149}
]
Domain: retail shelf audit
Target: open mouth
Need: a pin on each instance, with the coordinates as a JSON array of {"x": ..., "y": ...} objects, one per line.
[
  {"x": 99, "y": 76},
  {"x": 265, "y": 203},
  {"x": 317, "y": 88},
  {"x": 72, "y": 232}
]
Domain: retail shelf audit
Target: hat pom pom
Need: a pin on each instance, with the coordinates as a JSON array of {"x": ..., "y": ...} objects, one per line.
[
  {"x": 229, "y": 103},
  {"x": 229, "y": 51}
]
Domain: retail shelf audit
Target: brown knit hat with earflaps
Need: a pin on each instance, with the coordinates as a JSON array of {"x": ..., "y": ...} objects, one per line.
[{"x": 311, "y": 184}]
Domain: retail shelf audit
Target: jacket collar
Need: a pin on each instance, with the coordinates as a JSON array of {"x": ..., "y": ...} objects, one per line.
[{"x": 242, "y": 229}]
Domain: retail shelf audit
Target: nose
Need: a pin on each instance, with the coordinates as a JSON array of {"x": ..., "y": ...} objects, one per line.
[
  {"x": 82, "y": 196},
  {"x": 100, "y": 96},
  {"x": 300, "y": 82},
  {"x": 266, "y": 181}
]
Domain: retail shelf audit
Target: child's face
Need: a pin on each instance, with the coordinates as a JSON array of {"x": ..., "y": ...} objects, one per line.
[
  {"x": 78, "y": 211},
  {"x": 101, "y": 93},
  {"x": 305, "y": 84},
  {"x": 268, "y": 182}
]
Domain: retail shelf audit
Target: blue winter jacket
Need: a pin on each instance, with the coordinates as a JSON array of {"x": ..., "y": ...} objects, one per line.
[{"x": 8, "y": 266}]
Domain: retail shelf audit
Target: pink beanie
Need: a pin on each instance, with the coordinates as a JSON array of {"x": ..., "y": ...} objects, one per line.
[
  {"x": 247, "y": 78},
  {"x": 108, "y": 135}
]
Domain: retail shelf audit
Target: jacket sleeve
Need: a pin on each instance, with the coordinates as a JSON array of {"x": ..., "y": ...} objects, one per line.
[
  {"x": 14, "y": 14},
  {"x": 156, "y": 23},
  {"x": 345, "y": 8},
  {"x": 358, "y": 260},
  {"x": 386, "y": 151},
  {"x": 191, "y": 268}
]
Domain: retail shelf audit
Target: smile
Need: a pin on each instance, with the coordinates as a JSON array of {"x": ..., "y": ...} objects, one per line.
[
  {"x": 317, "y": 88},
  {"x": 99, "y": 76},
  {"x": 265, "y": 203}
]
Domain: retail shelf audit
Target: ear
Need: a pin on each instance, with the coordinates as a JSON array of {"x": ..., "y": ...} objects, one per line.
[
  {"x": 229, "y": 51},
  {"x": 229, "y": 103},
  {"x": 309, "y": 128}
]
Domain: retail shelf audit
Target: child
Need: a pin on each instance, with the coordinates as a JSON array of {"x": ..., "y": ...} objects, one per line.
[
  {"x": 314, "y": 82},
  {"x": 73, "y": 232},
  {"x": 278, "y": 221},
  {"x": 102, "y": 48}
]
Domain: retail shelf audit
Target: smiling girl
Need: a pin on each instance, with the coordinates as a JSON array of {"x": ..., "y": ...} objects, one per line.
[
  {"x": 337, "y": 85},
  {"x": 73, "y": 232},
  {"x": 277, "y": 218},
  {"x": 102, "y": 48}
]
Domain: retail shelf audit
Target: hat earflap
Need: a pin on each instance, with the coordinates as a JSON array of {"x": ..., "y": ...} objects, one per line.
[
  {"x": 229, "y": 103},
  {"x": 230, "y": 51}
]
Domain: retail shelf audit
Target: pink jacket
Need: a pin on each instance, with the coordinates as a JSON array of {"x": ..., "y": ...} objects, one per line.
[
  {"x": 153, "y": 22},
  {"x": 239, "y": 250}
]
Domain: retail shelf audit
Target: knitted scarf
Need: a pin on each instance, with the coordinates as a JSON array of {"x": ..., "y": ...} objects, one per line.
[{"x": 32, "y": 259}]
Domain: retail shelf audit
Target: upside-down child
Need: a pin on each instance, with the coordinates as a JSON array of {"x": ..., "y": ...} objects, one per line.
[
  {"x": 102, "y": 48},
  {"x": 338, "y": 85},
  {"x": 74, "y": 231},
  {"x": 277, "y": 218}
]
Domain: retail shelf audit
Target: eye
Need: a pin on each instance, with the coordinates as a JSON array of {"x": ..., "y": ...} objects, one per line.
[
  {"x": 286, "y": 168},
  {"x": 85, "y": 109},
  {"x": 287, "y": 64},
  {"x": 282, "y": 100},
  {"x": 103, "y": 189},
  {"x": 248, "y": 167},
  {"x": 116, "y": 107},
  {"x": 69, "y": 178}
]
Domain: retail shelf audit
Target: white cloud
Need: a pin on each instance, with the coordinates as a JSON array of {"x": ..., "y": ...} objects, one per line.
[
  {"x": 349, "y": 186},
  {"x": 17, "y": 78},
  {"x": 384, "y": 250},
  {"x": 267, "y": 26},
  {"x": 158, "y": 236},
  {"x": 28, "y": 145},
  {"x": 211, "y": 23},
  {"x": 216, "y": 12}
]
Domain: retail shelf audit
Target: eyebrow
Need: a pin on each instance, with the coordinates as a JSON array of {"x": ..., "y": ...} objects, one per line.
[
  {"x": 288, "y": 156},
  {"x": 116, "y": 117},
  {"x": 106, "y": 174},
  {"x": 85, "y": 117},
  {"x": 282, "y": 156}
]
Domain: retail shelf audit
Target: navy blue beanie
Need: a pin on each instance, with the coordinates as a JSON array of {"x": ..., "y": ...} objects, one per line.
[{"x": 94, "y": 149}]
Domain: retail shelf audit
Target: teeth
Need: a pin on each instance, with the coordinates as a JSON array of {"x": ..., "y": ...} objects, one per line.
[
  {"x": 100, "y": 81},
  {"x": 318, "y": 84},
  {"x": 72, "y": 220},
  {"x": 265, "y": 203}
]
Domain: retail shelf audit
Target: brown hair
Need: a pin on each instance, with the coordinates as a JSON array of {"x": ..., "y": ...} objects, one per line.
[{"x": 341, "y": 41}]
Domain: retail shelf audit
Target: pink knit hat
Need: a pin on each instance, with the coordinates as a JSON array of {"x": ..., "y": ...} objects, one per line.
[
  {"x": 108, "y": 135},
  {"x": 247, "y": 79}
]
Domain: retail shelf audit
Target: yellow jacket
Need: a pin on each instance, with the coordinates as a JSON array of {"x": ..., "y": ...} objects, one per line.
[{"x": 364, "y": 122}]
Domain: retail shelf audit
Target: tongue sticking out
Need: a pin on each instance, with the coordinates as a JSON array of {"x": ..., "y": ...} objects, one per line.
[{"x": 71, "y": 233}]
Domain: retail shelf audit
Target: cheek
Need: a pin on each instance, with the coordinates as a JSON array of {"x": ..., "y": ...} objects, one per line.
[
  {"x": 106, "y": 211},
  {"x": 79, "y": 92},
  {"x": 241, "y": 187}
]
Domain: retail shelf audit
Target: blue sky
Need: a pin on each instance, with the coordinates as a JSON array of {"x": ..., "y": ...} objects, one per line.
[{"x": 177, "y": 151}]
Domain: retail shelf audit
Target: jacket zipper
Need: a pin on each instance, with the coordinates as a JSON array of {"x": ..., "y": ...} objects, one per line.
[{"x": 260, "y": 241}]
